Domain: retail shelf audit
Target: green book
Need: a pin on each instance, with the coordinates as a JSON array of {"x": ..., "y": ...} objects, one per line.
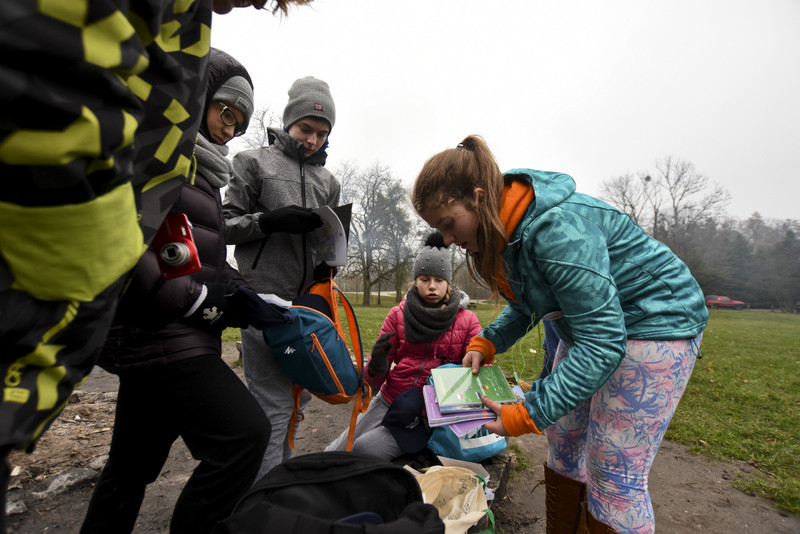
[{"x": 458, "y": 389}]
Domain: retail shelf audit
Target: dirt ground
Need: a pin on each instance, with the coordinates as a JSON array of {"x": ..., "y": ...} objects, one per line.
[{"x": 50, "y": 489}]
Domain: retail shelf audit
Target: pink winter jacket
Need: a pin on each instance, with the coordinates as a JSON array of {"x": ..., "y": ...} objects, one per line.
[{"x": 414, "y": 361}]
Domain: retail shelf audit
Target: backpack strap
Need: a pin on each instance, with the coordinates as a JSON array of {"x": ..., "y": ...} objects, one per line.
[
  {"x": 328, "y": 289},
  {"x": 360, "y": 404},
  {"x": 352, "y": 324},
  {"x": 297, "y": 414},
  {"x": 364, "y": 397}
]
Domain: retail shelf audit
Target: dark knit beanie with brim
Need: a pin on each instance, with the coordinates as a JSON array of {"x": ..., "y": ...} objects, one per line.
[
  {"x": 309, "y": 97},
  {"x": 229, "y": 82},
  {"x": 433, "y": 259},
  {"x": 238, "y": 93}
]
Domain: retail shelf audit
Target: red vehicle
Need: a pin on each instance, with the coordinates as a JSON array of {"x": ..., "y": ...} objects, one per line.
[{"x": 719, "y": 301}]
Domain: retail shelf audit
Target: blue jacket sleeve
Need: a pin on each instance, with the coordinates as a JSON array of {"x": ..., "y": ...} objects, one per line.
[{"x": 572, "y": 265}]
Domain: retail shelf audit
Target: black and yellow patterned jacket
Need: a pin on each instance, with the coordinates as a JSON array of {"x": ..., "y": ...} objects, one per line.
[{"x": 101, "y": 101}]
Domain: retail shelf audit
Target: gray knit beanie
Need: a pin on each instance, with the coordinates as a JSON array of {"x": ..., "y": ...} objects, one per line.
[
  {"x": 433, "y": 259},
  {"x": 309, "y": 97},
  {"x": 237, "y": 92}
]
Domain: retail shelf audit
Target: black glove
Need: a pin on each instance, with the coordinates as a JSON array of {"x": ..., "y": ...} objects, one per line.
[
  {"x": 323, "y": 270},
  {"x": 378, "y": 360},
  {"x": 289, "y": 219},
  {"x": 216, "y": 311},
  {"x": 259, "y": 313}
]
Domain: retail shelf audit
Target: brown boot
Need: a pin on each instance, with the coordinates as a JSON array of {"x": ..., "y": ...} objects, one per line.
[
  {"x": 564, "y": 503},
  {"x": 596, "y": 527}
]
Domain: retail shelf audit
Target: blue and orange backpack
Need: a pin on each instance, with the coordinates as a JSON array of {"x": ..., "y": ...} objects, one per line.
[{"x": 314, "y": 352}]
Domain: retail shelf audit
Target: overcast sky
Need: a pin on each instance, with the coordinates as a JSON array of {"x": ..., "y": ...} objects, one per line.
[{"x": 594, "y": 89}]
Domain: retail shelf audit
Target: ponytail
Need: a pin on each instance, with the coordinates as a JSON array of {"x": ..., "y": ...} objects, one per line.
[{"x": 453, "y": 175}]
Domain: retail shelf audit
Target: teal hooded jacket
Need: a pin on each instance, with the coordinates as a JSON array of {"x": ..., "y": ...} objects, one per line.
[{"x": 600, "y": 278}]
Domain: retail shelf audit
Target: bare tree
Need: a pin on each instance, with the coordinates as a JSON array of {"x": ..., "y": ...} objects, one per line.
[
  {"x": 668, "y": 202},
  {"x": 690, "y": 197},
  {"x": 347, "y": 174},
  {"x": 380, "y": 227},
  {"x": 638, "y": 196},
  {"x": 398, "y": 231},
  {"x": 628, "y": 193},
  {"x": 257, "y": 131}
]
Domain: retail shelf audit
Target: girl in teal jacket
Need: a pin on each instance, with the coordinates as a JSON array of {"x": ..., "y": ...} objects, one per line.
[{"x": 628, "y": 311}]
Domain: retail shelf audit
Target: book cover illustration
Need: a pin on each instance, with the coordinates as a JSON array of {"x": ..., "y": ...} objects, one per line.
[{"x": 457, "y": 389}]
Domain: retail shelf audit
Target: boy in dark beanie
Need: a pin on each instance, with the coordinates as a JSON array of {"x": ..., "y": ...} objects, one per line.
[
  {"x": 166, "y": 337},
  {"x": 268, "y": 216}
]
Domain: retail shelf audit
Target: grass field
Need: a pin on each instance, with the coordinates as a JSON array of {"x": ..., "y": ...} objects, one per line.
[{"x": 742, "y": 402}]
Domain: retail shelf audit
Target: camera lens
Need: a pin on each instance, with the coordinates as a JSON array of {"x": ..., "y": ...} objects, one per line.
[{"x": 175, "y": 254}]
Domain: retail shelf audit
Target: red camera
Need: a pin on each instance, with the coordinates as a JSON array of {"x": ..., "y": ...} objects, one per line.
[{"x": 174, "y": 247}]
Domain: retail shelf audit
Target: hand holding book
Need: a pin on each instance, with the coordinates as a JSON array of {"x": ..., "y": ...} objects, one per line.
[
  {"x": 473, "y": 359},
  {"x": 495, "y": 426},
  {"x": 458, "y": 389}
]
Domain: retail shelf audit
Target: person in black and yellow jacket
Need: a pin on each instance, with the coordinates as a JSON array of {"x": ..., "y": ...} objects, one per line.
[{"x": 101, "y": 104}]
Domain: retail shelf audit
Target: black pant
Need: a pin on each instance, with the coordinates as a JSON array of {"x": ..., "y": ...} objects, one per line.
[
  {"x": 46, "y": 348},
  {"x": 204, "y": 402}
]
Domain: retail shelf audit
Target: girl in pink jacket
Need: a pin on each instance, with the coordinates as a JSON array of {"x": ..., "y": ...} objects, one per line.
[{"x": 430, "y": 327}]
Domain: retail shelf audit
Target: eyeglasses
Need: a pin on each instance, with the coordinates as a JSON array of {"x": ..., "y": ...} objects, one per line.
[{"x": 229, "y": 119}]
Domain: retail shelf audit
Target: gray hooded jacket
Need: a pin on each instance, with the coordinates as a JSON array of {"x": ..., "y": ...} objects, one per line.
[{"x": 266, "y": 179}]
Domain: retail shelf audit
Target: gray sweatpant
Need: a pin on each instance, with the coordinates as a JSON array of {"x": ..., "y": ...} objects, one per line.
[
  {"x": 273, "y": 390},
  {"x": 371, "y": 437}
]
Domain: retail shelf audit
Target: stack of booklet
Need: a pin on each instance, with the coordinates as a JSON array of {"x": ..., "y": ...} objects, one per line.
[{"x": 454, "y": 399}]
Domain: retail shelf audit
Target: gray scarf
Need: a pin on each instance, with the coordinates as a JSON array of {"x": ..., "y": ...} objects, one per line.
[
  {"x": 424, "y": 323},
  {"x": 212, "y": 163}
]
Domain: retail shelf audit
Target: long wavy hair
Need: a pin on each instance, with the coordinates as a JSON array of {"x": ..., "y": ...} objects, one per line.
[{"x": 452, "y": 176}]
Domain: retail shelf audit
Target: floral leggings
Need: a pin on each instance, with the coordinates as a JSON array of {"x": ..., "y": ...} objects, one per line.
[{"x": 609, "y": 441}]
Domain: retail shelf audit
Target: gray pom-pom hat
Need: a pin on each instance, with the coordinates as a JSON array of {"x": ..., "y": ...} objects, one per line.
[{"x": 433, "y": 259}]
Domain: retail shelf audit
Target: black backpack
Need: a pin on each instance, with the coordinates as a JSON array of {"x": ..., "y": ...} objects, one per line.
[{"x": 334, "y": 493}]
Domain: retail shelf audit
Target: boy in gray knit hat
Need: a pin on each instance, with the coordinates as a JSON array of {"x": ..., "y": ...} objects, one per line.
[
  {"x": 309, "y": 97},
  {"x": 268, "y": 217}
]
